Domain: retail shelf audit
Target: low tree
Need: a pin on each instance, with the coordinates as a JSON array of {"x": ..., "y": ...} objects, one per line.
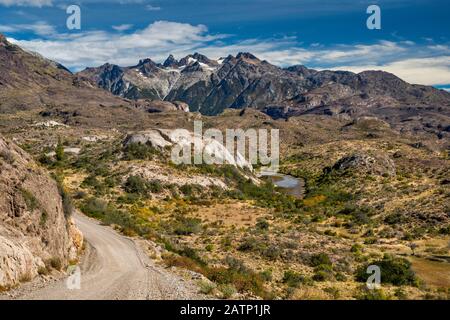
[{"x": 59, "y": 151}]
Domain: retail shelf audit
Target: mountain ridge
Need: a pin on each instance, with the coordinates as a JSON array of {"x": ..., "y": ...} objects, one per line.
[{"x": 244, "y": 81}]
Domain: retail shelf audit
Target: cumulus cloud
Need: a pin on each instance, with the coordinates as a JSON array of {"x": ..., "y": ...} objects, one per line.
[
  {"x": 77, "y": 50},
  {"x": 424, "y": 64},
  {"x": 26, "y": 3}
]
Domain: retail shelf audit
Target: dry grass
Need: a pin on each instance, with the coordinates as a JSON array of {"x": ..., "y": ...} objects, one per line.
[{"x": 433, "y": 273}]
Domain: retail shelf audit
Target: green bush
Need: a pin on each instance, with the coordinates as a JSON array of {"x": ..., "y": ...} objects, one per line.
[
  {"x": 137, "y": 185},
  {"x": 190, "y": 190},
  {"x": 320, "y": 259},
  {"x": 294, "y": 279},
  {"x": 228, "y": 290},
  {"x": 59, "y": 151},
  {"x": 186, "y": 225},
  {"x": 207, "y": 287},
  {"x": 65, "y": 196},
  {"x": 155, "y": 186},
  {"x": 376, "y": 294},
  {"x": 396, "y": 271},
  {"x": 395, "y": 218},
  {"x": 249, "y": 244},
  {"x": 138, "y": 151}
]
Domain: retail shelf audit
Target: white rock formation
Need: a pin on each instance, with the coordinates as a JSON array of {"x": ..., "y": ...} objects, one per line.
[{"x": 162, "y": 139}]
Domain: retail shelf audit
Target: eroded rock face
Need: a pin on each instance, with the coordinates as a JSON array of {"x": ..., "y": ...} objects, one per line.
[
  {"x": 360, "y": 162},
  {"x": 162, "y": 139},
  {"x": 34, "y": 230},
  {"x": 154, "y": 106}
]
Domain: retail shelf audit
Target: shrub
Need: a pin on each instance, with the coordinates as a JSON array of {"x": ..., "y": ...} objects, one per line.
[
  {"x": 95, "y": 208},
  {"x": 394, "y": 218},
  {"x": 183, "y": 262},
  {"x": 59, "y": 151},
  {"x": 228, "y": 290},
  {"x": 190, "y": 189},
  {"x": 445, "y": 230},
  {"x": 55, "y": 263},
  {"x": 356, "y": 248},
  {"x": 30, "y": 200},
  {"x": 294, "y": 279},
  {"x": 139, "y": 151},
  {"x": 262, "y": 224},
  {"x": 396, "y": 271},
  {"x": 187, "y": 225},
  {"x": 272, "y": 252},
  {"x": 45, "y": 160},
  {"x": 207, "y": 287},
  {"x": 137, "y": 185},
  {"x": 266, "y": 275},
  {"x": 155, "y": 186},
  {"x": 249, "y": 244},
  {"x": 320, "y": 259},
  {"x": 65, "y": 197},
  {"x": 44, "y": 218},
  {"x": 376, "y": 294}
]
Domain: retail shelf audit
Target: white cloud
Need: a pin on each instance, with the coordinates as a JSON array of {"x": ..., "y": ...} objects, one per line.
[
  {"x": 427, "y": 64},
  {"x": 39, "y": 28},
  {"x": 26, "y": 3},
  {"x": 97, "y": 47},
  {"x": 123, "y": 27},
  {"x": 428, "y": 71},
  {"x": 149, "y": 7}
]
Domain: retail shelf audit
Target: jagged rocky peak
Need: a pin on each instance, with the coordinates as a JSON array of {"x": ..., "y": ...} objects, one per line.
[
  {"x": 148, "y": 66},
  {"x": 147, "y": 61},
  {"x": 246, "y": 55},
  {"x": 170, "y": 62},
  {"x": 197, "y": 57}
]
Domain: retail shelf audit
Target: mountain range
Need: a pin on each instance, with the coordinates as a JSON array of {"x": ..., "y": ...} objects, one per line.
[
  {"x": 200, "y": 84},
  {"x": 244, "y": 81}
]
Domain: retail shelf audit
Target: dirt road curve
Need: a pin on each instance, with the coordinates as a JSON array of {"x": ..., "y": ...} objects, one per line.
[{"x": 115, "y": 268}]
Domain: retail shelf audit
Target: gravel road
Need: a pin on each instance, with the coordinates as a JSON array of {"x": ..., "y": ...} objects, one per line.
[{"x": 114, "y": 268}]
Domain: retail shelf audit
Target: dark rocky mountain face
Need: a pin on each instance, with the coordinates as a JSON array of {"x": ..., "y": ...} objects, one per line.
[{"x": 244, "y": 81}]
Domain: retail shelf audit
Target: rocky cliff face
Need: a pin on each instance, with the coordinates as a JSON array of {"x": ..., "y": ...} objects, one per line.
[{"x": 36, "y": 231}]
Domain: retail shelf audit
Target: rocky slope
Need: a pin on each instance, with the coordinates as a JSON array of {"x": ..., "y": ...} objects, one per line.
[
  {"x": 36, "y": 231},
  {"x": 28, "y": 81}
]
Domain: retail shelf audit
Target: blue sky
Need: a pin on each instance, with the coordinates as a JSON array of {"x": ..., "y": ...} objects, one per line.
[{"x": 414, "y": 41}]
